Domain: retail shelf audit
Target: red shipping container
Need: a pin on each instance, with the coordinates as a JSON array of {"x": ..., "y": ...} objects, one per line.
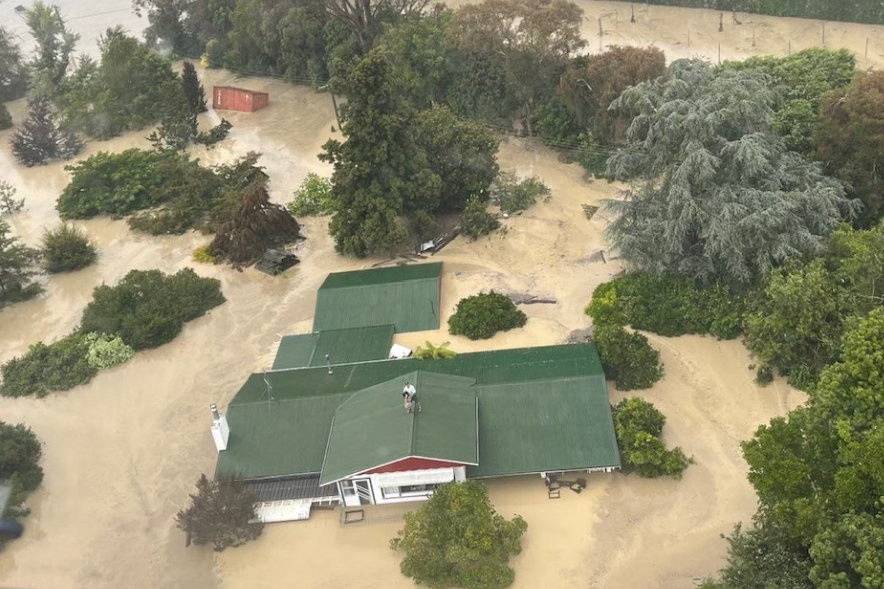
[{"x": 230, "y": 98}]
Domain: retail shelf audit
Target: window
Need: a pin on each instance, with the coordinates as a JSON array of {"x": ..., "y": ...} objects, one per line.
[{"x": 407, "y": 491}]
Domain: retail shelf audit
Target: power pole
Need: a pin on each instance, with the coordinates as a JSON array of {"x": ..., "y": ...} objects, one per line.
[{"x": 632, "y": 8}]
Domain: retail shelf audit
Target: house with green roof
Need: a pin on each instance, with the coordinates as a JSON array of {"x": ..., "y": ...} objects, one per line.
[{"x": 328, "y": 423}]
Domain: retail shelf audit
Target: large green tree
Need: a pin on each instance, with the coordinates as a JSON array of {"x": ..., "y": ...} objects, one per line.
[
  {"x": 591, "y": 83},
  {"x": 55, "y": 46},
  {"x": 457, "y": 539},
  {"x": 13, "y": 73},
  {"x": 715, "y": 194},
  {"x": 130, "y": 88},
  {"x": 819, "y": 475},
  {"x": 185, "y": 25},
  {"x": 380, "y": 167},
  {"x": 850, "y": 140}
]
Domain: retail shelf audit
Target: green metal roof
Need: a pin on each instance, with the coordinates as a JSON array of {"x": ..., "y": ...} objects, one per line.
[
  {"x": 372, "y": 428},
  {"x": 491, "y": 367},
  {"x": 557, "y": 424},
  {"x": 343, "y": 346},
  {"x": 405, "y": 296},
  {"x": 278, "y": 437},
  {"x": 540, "y": 409}
]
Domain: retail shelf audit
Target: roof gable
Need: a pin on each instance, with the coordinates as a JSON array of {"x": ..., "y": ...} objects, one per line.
[{"x": 371, "y": 428}]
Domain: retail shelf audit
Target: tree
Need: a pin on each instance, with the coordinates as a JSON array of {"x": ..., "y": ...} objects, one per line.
[
  {"x": 130, "y": 88},
  {"x": 313, "y": 197},
  {"x": 20, "y": 453},
  {"x": 67, "y": 248},
  {"x": 9, "y": 205},
  {"x": 221, "y": 513},
  {"x": 534, "y": 38},
  {"x": 850, "y": 140},
  {"x": 461, "y": 153},
  {"x": 456, "y": 538},
  {"x": 476, "y": 221},
  {"x": 798, "y": 323},
  {"x": 250, "y": 225},
  {"x": 379, "y": 168},
  {"x": 192, "y": 89},
  {"x": 627, "y": 357},
  {"x": 17, "y": 266},
  {"x": 5, "y": 118},
  {"x": 481, "y": 316},
  {"x": 55, "y": 44},
  {"x": 513, "y": 195},
  {"x": 178, "y": 126},
  {"x": 40, "y": 139},
  {"x": 800, "y": 80},
  {"x": 591, "y": 83},
  {"x": 639, "y": 425},
  {"x": 185, "y": 25},
  {"x": 818, "y": 477},
  {"x": 363, "y": 17},
  {"x": 715, "y": 194},
  {"x": 13, "y": 72}
]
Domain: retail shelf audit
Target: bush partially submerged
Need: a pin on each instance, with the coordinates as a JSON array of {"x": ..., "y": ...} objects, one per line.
[
  {"x": 58, "y": 366},
  {"x": 667, "y": 305},
  {"x": 106, "y": 351},
  {"x": 476, "y": 221},
  {"x": 513, "y": 195},
  {"x": 20, "y": 453},
  {"x": 221, "y": 513},
  {"x": 9, "y": 205},
  {"x": 639, "y": 425},
  {"x": 67, "y": 248},
  {"x": 628, "y": 358},
  {"x": 457, "y": 539},
  {"x": 481, "y": 316},
  {"x": 18, "y": 265},
  {"x": 149, "y": 308},
  {"x": 313, "y": 197}
]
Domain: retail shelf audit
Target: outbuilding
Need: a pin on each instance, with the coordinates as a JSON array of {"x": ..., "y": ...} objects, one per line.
[{"x": 230, "y": 98}]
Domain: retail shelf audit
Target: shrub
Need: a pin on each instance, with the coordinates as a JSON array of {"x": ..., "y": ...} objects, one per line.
[
  {"x": 9, "y": 205},
  {"x": 106, "y": 351},
  {"x": 457, "y": 539},
  {"x": 58, "y": 366},
  {"x": 204, "y": 255},
  {"x": 221, "y": 513},
  {"x": 149, "y": 308},
  {"x": 20, "y": 453},
  {"x": 591, "y": 156},
  {"x": 428, "y": 351},
  {"x": 667, "y": 305},
  {"x": 628, "y": 358},
  {"x": 214, "y": 53},
  {"x": 476, "y": 221},
  {"x": 481, "y": 316},
  {"x": 67, "y": 248},
  {"x": 639, "y": 425},
  {"x": 250, "y": 224},
  {"x": 17, "y": 267},
  {"x": 214, "y": 135},
  {"x": 5, "y": 118},
  {"x": 313, "y": 197},
  {"x": 513, "y": 195}
]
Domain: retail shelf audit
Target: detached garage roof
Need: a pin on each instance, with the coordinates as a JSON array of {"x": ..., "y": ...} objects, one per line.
[
  {"x": 406, "y": 297},
  {"x": 343, "y": 346}
]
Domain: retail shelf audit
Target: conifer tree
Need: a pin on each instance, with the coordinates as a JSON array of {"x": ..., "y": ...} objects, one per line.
[
  {"x": 18, "y": 264},
  {"x": 193, "y": 90},
  {"x": 40, "y": 139}
]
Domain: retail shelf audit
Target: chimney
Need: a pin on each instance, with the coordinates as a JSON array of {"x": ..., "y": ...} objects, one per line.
[{"x": 220, "y": 429}]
